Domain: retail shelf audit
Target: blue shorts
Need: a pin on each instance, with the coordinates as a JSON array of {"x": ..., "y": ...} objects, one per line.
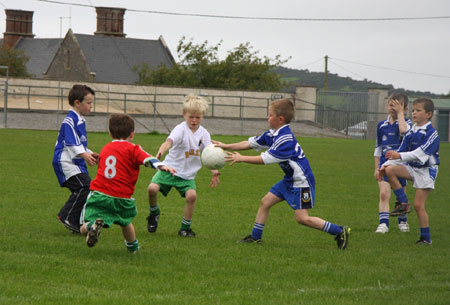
[
  {"x": 402, "y": 181},
  {"x": 297, "y": 197}
]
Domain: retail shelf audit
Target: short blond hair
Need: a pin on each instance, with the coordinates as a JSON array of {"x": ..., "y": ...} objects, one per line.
[
  {"x": 195, "y": 104},
  {"x": 284, "y": 108}
]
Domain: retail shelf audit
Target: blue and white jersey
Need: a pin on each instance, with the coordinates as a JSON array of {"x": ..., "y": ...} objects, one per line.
[
  {"x": 420, "y": 146},
  {"x": 388, "y": 138},
  {"x": 72, "y": 141},
  {"x": 282, "y": 148}
]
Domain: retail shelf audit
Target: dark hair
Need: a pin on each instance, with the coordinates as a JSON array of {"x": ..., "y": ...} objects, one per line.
[
  {"x": 401, "y": 97},
  {"x": 121, "y": 126},
  {"x": 284, "y": 108},
  {"x": 427, "y": 104},
  {"x": 78, "y": 92}
]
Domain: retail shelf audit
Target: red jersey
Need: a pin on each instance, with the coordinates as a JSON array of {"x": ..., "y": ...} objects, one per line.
[{"x": 118, "y": 168}]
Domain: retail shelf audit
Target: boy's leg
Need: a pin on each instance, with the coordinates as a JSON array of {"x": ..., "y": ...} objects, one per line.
[
  {"x": 129, "y": 234},
  {"x": 341, "y": 233},
  {"x": 191, "y": 199},
  {"x": 268, "y": 201},
  {"x": 422, "y": 215},
  {"x": 69, "y": 214},
  {"x": 394, "y": 172},
  {"x": 153, "y": 217},
  {"x": 383, "y": 207},
  {"x": 402, "y": 220}
]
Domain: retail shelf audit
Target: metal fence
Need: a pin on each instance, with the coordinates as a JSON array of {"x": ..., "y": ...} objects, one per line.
[{"x": 341, "y": 113}]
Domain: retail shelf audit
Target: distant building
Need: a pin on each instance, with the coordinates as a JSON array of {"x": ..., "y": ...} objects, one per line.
[{"x": 107, "y": 56}]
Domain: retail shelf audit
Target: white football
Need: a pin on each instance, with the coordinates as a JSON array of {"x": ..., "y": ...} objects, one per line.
[{"x": 213, "y": 157}]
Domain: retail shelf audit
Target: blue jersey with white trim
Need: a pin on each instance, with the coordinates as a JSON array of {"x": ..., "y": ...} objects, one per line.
[
  {"x": 72, "y": 140},
  {"x": 283, "y": 148},
  {"x": 388, "y": 138},
  {"x": 427, "y": 139}
]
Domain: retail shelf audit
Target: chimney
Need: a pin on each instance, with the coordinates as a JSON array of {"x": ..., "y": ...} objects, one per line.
[
  {"x": 18, "y": 24},
  {"x": 110, "y": 21}
]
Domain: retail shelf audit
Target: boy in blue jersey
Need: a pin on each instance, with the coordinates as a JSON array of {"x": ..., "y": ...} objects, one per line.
[
  {"x": 390, "y": 133},
  {"x": 417, "y": 159},
  {"x": 297, "y": 187},
  {"x": 71, "y": 155}
]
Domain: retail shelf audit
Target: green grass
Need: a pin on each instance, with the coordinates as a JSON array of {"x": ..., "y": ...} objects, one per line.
[{"x": 42, "y": 263}]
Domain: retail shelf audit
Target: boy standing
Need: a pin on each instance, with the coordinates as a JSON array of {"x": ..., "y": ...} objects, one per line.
[
  {"x": 417, "y": 159},
  {"x": 297, "y": 187},
  {"x": 71, "y": 155},
  {"x": 390, "y": 133},
  {"x": 186, "y": 141},
  {"x": 118, "y": 169}
]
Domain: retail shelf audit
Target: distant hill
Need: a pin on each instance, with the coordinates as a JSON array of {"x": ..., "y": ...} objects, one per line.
[{"x": 338, "y": 83}]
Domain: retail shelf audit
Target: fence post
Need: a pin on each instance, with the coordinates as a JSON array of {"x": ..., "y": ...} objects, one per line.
[
  {"x": 212, "y": 106},
  {"x": 28, "y": 97},
  {"x": 5, "y": 106},
  {"x": 125, "y": 103},
  {"x": 154, "y": 111},
  {"x": 241, "y": 115}
]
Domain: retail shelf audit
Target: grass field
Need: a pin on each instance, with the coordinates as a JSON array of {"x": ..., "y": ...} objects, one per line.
[{"x": 42, "y": 263}]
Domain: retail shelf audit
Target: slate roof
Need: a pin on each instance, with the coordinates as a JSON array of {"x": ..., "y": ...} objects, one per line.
[
  {"x": 111, "y": 58},
  {"x": 40, "y": 53}
]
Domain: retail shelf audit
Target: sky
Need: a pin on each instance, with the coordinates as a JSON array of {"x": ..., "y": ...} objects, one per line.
[{"x": 409, "y": 54}]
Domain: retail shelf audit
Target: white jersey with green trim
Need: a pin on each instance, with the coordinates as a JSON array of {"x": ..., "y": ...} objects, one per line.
[{"x": 184, "y": 156}]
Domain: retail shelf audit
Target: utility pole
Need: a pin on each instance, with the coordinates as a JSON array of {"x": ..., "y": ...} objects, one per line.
[{"x": 325, "y": 76}]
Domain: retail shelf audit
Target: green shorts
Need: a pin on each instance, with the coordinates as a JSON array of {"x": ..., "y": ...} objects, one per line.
[
  {"x": 112, "y": 210},
  {"x": 166, "y": 181}
]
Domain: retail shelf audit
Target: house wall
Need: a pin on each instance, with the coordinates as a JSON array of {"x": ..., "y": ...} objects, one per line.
[{"x": 69, "y": 63}]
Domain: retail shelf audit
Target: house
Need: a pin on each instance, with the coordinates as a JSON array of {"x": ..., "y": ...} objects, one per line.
[{"x": 107, "y": 56}]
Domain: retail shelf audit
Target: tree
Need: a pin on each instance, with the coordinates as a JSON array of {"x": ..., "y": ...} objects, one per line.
[
  {"x": 15, "y": 60},
  {"x": 200, "y": 66}
]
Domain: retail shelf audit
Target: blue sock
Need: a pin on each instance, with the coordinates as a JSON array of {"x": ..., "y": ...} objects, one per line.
[
  {"x": 400, "y": 195},
  {"x": 384, "y": 218},
  {"x": 331, "y": 228},
  {"x": 257, "y": 230},
  {"x": 425, "y": 233},
  {"x": 403, "y": 218}
]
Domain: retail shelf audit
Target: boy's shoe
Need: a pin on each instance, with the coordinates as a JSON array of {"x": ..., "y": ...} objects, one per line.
[
  {"x": 186, "y": 233},
  {"x": 403, "y": 226},
  {"x": 250, "y": 240},
  {"x": 73, "y": 228},
  {"x": 423, "y": 241},
  {"x": 342, "y": 238},
  {"x": 382, "y": 228},
  {"x": 403, "y": 208},
  {"x": 152, "y": 223},
  {"x": 94, "y": 232}
]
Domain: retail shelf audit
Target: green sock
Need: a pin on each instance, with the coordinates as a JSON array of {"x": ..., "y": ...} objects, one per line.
[
  {"x": 186, "y": 224},
  {"x": 155, "y": 210},
  {"x": 132, "y": 246}
]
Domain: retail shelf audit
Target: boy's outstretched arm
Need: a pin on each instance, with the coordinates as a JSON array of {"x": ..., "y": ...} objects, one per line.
[
  {"x": 236, "y": 157},
  {"x": 244, "y": 145},
  {"x": 90, "y": 158},
  {"x": 164, "y": 148}
]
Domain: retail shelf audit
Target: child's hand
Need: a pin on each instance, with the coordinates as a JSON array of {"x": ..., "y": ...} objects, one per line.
[
  {"x": 233, "y": 157},
  {"x": 214, "y": 179},
  {"x": 392, "y": 155},
  {"x": 218, "y": 144},
  {"x": 397, "y": 106},
  {"x": 380, "y": 174},
  {"x": 90, "y": 158},
  {"x": 376, "y": 173},
  {"x": 167, "y": 169}
]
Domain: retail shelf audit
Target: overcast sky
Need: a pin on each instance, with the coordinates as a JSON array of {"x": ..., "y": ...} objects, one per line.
[{"x": 419, "y": 47}]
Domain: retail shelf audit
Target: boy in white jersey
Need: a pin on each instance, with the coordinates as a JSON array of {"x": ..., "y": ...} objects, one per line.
[
  {"x": 186, "y": 141},
  {"x": 417, "y": 159},
  {"x": 297, "y": 187},
  {"x": 390, "y": 133}
]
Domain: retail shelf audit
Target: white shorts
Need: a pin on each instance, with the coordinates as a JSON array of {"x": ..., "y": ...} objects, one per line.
[{"x": 423, "y": 177}]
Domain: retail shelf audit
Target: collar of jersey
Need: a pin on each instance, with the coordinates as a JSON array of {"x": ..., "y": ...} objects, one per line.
[
  {"x": 80, "y": 117},
  {"x": 274, "y": 132},
  {"x": 423, "y": 127}
]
